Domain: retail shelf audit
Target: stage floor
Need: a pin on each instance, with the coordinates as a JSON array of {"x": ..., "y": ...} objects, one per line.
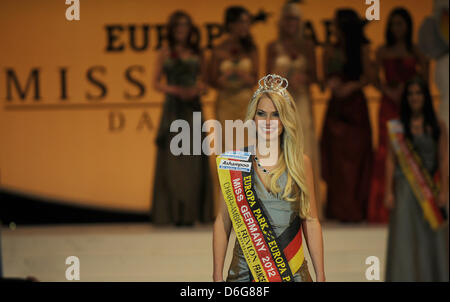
[{"x": 142, "y": 252}]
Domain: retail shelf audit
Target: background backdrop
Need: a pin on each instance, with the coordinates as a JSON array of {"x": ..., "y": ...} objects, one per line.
[{"x": 78, "y": 148}]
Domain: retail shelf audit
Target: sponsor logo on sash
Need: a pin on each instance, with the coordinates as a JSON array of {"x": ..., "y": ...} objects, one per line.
[
  {"x": 235, "y": 165},
  {"x": 239, "y": 155}
]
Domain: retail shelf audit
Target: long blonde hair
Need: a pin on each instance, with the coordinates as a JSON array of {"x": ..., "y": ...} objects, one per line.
[{"x": 291, "y": 155}]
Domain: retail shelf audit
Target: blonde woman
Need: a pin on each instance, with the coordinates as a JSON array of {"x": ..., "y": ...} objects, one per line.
[{"x": 276, "y": 203}]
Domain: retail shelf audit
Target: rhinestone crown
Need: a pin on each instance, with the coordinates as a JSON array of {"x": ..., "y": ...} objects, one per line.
[{"x": 273, "y": 83}]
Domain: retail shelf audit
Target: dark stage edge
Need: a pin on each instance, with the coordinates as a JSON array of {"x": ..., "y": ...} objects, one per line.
[{"x": 22, "y": 208}]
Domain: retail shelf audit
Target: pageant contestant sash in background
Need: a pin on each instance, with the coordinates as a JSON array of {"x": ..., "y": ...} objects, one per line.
[
  {"x": 424, "y": 187},
  {"x": 270, "y": 259}
]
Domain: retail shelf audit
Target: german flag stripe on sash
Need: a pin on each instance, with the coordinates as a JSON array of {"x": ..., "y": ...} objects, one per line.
[
  {"x": 291, "y": 241},
  {"x": 269, "y": 258},
  {"x": 433, "y": 184}
]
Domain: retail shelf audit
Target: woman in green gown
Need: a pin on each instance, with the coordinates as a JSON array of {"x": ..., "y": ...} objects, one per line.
[
  {"x": 416, "y": 251},
  {"x": 182, "y": 189}
]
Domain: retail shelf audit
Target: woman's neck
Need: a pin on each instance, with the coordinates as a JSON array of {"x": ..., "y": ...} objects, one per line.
[{"x": 269, "y": 153}]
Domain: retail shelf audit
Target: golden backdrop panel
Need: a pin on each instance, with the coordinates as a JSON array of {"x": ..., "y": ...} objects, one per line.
[{"x": 74, "y": 134}]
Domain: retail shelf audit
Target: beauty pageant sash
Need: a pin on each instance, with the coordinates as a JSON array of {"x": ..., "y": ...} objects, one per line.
[
  {"x": 424, "y": 187},
  {"x": 270, "y": 259}
]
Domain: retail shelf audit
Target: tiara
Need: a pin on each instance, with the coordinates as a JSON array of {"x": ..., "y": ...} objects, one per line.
[{"x": 273, "y": 83}]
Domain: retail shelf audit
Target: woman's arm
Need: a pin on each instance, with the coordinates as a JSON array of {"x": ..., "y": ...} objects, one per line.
[
  {"x": 312, "y": 62},
  {"x": 326, "y": 54},
  {"x": 255, "y": 70},
  {"x": 443, "y": 165},
  {"x": 221, "y": 235},
  {"x": 378, "y": 76},
  {"x": 423, "y": 64},
  {"x": 368, "y": 65},
  {"x": 312, "y": 228},
  {"x": 389, "y": 177}
]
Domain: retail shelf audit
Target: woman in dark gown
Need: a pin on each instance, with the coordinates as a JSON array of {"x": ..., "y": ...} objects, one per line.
[
  {"x": 182, "y": 189},
  {"x": 346, "y": 143},
  {"x": 399, "y": 61},
  {"x": 417, "y": 252}
]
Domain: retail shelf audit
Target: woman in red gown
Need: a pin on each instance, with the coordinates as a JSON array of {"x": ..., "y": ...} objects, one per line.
[
  {"x": 346, "y": 143},
  {"x": 398, "y": 61}
]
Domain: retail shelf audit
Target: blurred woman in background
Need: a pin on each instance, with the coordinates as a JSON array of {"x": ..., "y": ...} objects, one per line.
[
  {"x": 182, "y": 191},
  {"x": 417, "y": 190},
  {"x": 293, "y": 57},
  {"x": 346, "y": 143},
  {"x": 233, "y": 69},
  {"x": 397, "y": 61}
]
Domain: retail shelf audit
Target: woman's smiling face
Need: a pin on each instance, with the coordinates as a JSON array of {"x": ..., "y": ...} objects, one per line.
[{"x": 267, "y": 119}]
